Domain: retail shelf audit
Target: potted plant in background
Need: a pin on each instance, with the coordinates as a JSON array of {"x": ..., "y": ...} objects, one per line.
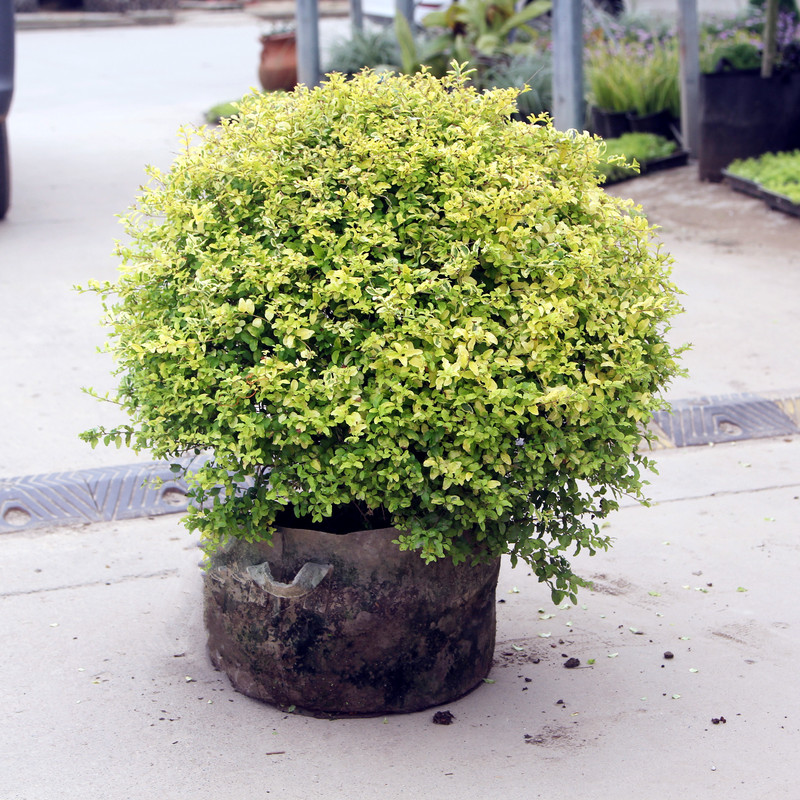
[
  {"x": 504, "y": 47},
  {"x": 633, "y": 86},
  {"x": 375, "y": 48},
  {"x": 277, "y": 66},
  {"x": 747, "y": 109},
  {"x": 409, "y": 335}
]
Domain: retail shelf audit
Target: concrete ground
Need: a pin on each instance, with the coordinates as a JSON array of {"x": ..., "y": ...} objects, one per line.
[{"x": 106, "y": 690}]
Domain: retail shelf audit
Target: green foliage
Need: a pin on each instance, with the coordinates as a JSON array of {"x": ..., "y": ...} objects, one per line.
[
  {"x": 365, "y": 48},
  {"x": 735, "y": 56},
  {"x": 787, "y": 6},
  {"x": 630, "y": 150},
  {"x": 531, "y": 74},
  {"x": 221, "y": 111},
  {"x": 386, "y": 292},
  {"x": 485, "y": 35},
  {"x": 775, "y": 172},
  {"x": 635, "y": 78},
  {"x": 486, "y": 25}
]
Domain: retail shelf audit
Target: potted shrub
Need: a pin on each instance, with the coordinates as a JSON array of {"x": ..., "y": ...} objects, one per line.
[
  {"x": 633, "y": 86},
  {"x": 409, "y": 335}
]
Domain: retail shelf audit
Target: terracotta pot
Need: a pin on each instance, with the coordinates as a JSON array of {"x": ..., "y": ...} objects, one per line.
[
  {"x": 278, "y": 66},
  {"x": 348, "y": 624}
]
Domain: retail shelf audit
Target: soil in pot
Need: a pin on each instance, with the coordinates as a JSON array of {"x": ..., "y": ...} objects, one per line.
[{"x": 364, "y": 630}]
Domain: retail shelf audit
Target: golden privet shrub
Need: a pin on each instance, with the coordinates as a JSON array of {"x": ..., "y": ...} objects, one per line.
[{"x": 385, "y": 292}]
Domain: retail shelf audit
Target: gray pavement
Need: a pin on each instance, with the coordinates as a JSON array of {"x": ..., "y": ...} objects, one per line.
[{"x": 106, "y": 690}]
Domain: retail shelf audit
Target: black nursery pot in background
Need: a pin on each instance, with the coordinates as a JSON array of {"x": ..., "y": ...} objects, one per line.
[
  {"x": 609, "y": 124},
  {"x": 744, "y": 115},
  {"x": 661, "y": 123}
]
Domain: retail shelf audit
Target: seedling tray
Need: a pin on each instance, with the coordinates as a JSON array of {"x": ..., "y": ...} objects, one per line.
[
  {"x": 775, "y": 201},
  {"x": 743, "y": 185},
  {"x": 677, "y": 159}
]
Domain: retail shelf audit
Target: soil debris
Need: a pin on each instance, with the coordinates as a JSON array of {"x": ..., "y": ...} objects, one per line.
[
  {"x": 443, "y": 718},
  {"x": 571, "y": 663}
]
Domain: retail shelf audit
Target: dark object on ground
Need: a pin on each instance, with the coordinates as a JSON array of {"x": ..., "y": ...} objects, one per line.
[
  {"x": 348, "y": 624},
  {"x": 443, "y": 718},
  {"x": 571, "y": 663},
  {"x": 669, "y": 654},
  {"x": 717, "y": 720},
  {"x": 744, "y": 115}
]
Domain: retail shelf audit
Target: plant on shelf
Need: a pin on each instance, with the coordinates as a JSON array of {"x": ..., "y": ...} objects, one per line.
[
  {"x": 487, "y": 27},
  {"x": 749, "y": 89}
]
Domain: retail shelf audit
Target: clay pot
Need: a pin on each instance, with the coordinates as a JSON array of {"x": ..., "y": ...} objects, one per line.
[
  {"x": 348, "y": 624},
  {"x": 277, "y": 69}
]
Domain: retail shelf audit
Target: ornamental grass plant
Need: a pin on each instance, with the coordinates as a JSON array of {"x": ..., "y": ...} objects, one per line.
[
  {"x": 385, "y": 295},
  {"x": 634, "y": 77}
]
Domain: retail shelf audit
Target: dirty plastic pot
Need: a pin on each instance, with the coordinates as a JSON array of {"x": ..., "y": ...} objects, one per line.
[{"x": 348, "y": 625}]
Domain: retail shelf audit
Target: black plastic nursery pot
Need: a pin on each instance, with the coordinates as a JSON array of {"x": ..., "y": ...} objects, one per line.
[
  {"x": 744, "y": 115},
  {"x": 348, "y": 625},
  {"x": 609, "y": 124},
  {"x": 661, "y": 123}
]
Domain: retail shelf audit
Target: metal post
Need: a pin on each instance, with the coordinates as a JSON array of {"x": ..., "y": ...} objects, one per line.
[
  {"x": 406, "y": 8},
  {"x": 689, "y": 40},
  {"x": 356, "y": 15},
  {"x": 307, "y": 18},
  {"x": 568, "y": 102}
]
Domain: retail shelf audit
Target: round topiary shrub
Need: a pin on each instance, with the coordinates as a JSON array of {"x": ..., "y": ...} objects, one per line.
[{"x": 384, "y": 296}]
